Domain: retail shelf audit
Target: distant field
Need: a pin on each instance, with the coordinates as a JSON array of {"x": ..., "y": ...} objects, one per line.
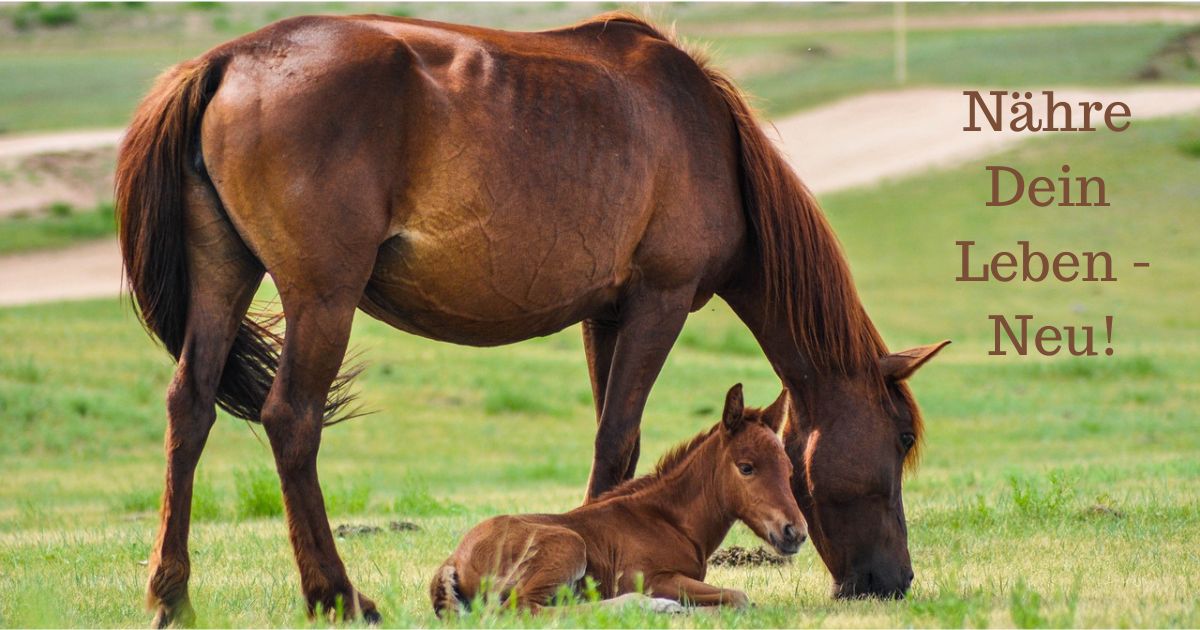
[
  {"x": 62, "y": 226},
  {"x": 1053, "y": 492},
  {"x": 87, "y": 65}
]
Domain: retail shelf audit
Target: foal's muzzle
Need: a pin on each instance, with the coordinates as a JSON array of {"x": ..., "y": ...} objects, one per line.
[{"x": 788, "y": 541}]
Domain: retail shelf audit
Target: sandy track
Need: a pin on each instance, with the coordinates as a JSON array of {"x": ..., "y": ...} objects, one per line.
[
  {"x": 19, "y": 146},
  {"x": 873, "y": 137},
  {"x": 855, "y": 142}
]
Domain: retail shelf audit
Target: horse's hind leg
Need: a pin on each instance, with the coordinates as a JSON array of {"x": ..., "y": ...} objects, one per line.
[
  {"x": 319, "y": 296},
  {"x": 223, "y": 277},
  {"x": 599, "y": 343},
  {"x": 650, "y": 321}
]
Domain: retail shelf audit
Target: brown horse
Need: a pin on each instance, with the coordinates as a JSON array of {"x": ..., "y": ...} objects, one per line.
[
  {"x": 484, "y": 187},
  {"x": 652, "y": 534}
]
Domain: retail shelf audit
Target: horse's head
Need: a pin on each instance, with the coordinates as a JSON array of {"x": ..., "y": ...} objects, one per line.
[
  {"x": 847, "y": 480},
  {"x": 754, "y": 472}
]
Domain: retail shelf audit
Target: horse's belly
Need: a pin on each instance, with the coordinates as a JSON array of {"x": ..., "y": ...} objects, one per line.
[{"x": 459, "y": 287}]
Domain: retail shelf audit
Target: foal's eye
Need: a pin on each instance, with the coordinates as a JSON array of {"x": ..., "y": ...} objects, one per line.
[
  {"x": 908, "y": 439},
  {"x": 746, "y": 469}
]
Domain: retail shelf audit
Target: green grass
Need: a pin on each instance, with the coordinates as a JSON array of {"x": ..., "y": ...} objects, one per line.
[
  {"x": 814, "y": 68},
  {"x": 59, "y": 228},
  {"x": 1052, "y": 492},
  {"x": 90, "y": 70}
]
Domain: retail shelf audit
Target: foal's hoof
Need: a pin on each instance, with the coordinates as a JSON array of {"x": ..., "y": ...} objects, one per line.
[
  {"x": 658, "y": 605},
  {"x": 663, "y": 606},
  {"x": 179, "y": 615}
]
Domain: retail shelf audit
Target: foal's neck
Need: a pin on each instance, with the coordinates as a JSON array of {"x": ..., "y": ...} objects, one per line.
[{"x": 688, "y": 498}]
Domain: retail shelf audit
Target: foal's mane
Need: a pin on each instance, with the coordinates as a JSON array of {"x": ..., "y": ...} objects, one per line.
[
  {"x": 668, "y": 462},
  {"x": 804, "y": 269}
]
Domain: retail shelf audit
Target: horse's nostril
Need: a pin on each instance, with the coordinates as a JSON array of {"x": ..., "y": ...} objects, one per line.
[{"x": 789, "y": 531}]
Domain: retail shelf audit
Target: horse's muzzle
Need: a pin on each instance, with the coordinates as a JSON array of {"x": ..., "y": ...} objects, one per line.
[{"x": 874, "y": 584}]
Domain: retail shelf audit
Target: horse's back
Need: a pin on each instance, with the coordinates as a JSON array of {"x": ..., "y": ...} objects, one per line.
[{"x": 513, "y": 182}]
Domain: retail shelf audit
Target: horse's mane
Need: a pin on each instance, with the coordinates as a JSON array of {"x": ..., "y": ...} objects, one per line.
[
  {"x": 804, "y": 268},
  {"x": 668, "y": 462}
]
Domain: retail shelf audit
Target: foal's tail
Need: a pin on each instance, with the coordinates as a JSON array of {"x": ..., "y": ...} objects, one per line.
[
  {"x": 159, "y": 154},
  {"x": 444, "y": 592}
]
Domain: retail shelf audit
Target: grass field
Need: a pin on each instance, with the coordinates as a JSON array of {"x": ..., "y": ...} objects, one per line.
[
  {"x": 62, "y": 226},
  {"x": 1053, "y": 491},
  {"x": 88, "y": 65}
]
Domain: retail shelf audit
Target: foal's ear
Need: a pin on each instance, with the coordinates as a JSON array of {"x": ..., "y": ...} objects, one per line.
[
  {"x": 774, "y": 415},
  {"x": 901, "y": 365},
  {"x": 733, "y": 418}
]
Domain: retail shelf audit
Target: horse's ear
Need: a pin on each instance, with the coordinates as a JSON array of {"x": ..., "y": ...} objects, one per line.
[
  {"x": 901, "y": 365},
  {"x": 733, "y": 418},
  {"x": 774, "y": 415}
]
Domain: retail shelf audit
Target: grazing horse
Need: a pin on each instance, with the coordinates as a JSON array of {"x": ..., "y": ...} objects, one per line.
[
  {"x": 483, "y": 187},
  {"x": 654, "y": 533}
]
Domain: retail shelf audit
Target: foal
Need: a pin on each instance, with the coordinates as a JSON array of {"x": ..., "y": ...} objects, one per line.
[{"x": 658, "y": 530}]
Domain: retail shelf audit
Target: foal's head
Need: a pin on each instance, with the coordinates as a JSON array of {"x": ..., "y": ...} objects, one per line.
[{"x": 754, "y": 473}]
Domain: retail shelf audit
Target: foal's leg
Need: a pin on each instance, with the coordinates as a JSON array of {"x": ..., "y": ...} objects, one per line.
[
  {"x": 223, "y": 278},
  {"x": 697, "y": 593},
  {"x": 555, "y": 557},
  {"x": 650, "y": 322},
  {"x": 318, "y": 329}
]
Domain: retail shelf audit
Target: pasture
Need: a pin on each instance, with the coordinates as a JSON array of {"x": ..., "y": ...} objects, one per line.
[
  {"x": 1053, "y": 492},
  {"x": 85, "y": 66}
]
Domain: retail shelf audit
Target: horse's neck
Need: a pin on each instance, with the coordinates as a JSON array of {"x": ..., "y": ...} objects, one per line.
[{"x": 687, "y": 498}]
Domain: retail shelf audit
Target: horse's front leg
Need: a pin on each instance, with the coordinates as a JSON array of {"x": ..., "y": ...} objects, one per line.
[
  {"x": 694, "y": 592},
  {"x": 649, "y": 323}
]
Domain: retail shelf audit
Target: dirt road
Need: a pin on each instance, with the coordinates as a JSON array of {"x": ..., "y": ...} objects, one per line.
[{"x": 855, "y": 142}]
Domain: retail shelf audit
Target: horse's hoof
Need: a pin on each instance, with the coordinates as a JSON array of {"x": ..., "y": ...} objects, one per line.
[
  {"x": 180, "y": 615},
  {"x": 372, "y": 617}
]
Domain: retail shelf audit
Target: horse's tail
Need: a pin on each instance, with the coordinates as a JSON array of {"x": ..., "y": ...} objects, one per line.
[
  {"x": 805, "y": 272},
  {"x": 161, "y": 150},
  {"x": 444, "y": 592},
  {"x": 151, "y": 167}
]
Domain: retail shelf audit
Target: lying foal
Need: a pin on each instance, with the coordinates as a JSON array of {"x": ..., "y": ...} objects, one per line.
[{"x": 662, "y": 527}]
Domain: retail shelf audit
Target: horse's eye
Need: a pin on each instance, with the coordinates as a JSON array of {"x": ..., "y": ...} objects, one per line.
[
  {"x": 746, "y": 469},
  {"x": 908, "y": 439}
]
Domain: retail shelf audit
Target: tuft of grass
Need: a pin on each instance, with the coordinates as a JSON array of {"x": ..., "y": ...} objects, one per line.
[
  {"x": 138, "y": 500},
  {"x": 950, "y": 608},
  {"x": 1190, "y": 148},
  {"x": 1032, "y": 498},
  {"x": 258, "y": 494},
  {"x": 347, "y": 497},
  {"x": 505, "y": 398},
  {"x": 1029, "y": 609},
  {"x": 206, "y": 503},
  {"x": 21, "y": 369},
  {"x": 415, "y": 499},
  {"x": 56, "y": 15}
]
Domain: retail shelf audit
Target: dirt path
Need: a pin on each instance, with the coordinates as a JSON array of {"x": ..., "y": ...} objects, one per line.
[
  {"x": 873, "y": 137},
  {"x": 855, "y": 142},
  {"x": 25, "y": 145}
]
